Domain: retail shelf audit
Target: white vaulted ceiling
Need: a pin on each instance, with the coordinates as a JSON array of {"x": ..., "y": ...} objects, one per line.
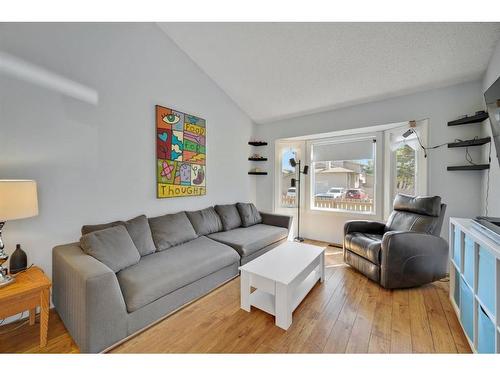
[{"x": 280, "y": 70}]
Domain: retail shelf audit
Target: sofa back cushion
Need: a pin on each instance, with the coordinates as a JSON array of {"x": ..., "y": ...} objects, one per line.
[
  {"x": 111, "y": 246},
  {"x": 138, "y": 229},
  {"x": 140, "y": 232},
  {"x": 229, "y": 216},
  {"x": 86, "y": 229},
  {"x": 171, "y": 230},
  {"x": 249, "y": 214},
  {"x": 205, "y": 221}
]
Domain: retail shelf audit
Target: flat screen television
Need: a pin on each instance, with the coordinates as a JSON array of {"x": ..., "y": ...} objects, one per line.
[{"x": 492, "y": 98}]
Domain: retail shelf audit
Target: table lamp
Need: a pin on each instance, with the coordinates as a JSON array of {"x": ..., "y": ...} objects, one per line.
[{"x": 18, "y": 200}]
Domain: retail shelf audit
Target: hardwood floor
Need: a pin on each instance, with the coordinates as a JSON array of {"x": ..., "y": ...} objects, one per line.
[
  {"x": 23, "y": 338},
  {"x": 346, "y": 314}
]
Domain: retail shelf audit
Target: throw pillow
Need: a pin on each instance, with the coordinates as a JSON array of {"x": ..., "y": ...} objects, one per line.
[
  {"x": 229, "y": 216},
  {"x": 249, "y": 214},
  {"x": 86, "y": 229},
  {"x": 111, "y": 246},
  {"x": 140, "y": 232},
  {"x": 138, "y": 228},
  {"x": 205, "y": 221},
  {"x": 171, "y": 230}
]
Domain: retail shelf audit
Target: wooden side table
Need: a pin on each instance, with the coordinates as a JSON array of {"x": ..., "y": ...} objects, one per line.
[{"x": 30, "y": 289}]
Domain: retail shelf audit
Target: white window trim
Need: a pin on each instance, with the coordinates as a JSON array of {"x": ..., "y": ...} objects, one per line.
[{"x": 347, "y": 139}]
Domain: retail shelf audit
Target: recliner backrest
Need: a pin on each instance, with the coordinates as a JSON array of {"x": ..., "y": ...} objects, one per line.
[{"x": 417, "y": 214}]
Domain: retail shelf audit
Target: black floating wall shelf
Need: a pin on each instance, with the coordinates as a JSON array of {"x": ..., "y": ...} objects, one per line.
[
  {"x": 257, "y": 159},
  {"x": 478, "y": 117},
  {"x": 470, "y": 142},
  {"x": 477, "y": 167}
]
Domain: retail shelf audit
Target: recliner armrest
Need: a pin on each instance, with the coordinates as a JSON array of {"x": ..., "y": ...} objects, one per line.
[
  {"x": 364, "y": 226},
  {"x": 283, "y": 221},
  {"x": 412, "y": 258}
]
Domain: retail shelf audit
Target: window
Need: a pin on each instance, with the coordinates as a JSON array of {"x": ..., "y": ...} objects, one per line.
[
  {"x": 343, "y": 175},
  {"x": 405, "y": 164},
  {"x": 405, "y": 181}
]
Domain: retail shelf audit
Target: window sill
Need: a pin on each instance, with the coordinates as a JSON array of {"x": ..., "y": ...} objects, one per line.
[{"x": 343, "y": 212}]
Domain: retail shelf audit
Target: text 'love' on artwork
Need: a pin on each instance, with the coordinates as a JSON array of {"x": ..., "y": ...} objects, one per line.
[{"x": 180, "y": 154}]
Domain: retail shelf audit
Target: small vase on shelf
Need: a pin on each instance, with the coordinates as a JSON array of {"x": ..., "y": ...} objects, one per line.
[{"x": 18, "y": 260}]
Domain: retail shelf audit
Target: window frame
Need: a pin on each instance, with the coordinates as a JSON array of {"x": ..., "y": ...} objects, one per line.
[{"x": 346, "y": 139}]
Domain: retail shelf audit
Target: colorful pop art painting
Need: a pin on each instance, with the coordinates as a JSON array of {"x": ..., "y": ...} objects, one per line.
[{"x": 180, "y": 154}]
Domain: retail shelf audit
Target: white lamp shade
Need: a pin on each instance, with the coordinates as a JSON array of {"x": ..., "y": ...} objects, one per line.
[{"x": 18, "y": 199}]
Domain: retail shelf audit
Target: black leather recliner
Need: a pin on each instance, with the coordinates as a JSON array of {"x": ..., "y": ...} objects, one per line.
[{"x": 405, "y": 252}]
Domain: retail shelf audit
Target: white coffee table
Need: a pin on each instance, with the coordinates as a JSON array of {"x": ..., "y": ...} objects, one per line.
[{"x": 282, "y": 278}]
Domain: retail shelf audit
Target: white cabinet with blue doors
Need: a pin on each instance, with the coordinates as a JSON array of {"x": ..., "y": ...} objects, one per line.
[{"x": 475, "y": 285}]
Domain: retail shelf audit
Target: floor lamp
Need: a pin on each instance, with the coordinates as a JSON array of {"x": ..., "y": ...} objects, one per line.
[{"x": 296, "y": 183}]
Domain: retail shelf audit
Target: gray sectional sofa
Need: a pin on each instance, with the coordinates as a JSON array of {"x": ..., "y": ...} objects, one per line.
[{"x": 125, "y": 275}]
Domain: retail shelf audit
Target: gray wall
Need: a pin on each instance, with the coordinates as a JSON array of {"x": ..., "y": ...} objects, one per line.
[
  {"x": 97, "y": 163},
  {"x": 493, "y": 71},
  {"x": 460, "y": 190},
  {"x": 491, "y": 75}
]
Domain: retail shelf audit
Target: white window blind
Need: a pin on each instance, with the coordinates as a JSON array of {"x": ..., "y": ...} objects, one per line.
[{"x": 348, "y": 150}]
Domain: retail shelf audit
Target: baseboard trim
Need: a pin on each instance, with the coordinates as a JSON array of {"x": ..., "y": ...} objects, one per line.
[
  {"x": 330, "y": 244},
  {"x": 340, "y": 246}
]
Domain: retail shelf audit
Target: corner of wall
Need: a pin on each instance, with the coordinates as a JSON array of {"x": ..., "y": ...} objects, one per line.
[{"x": 490, "y": 181}]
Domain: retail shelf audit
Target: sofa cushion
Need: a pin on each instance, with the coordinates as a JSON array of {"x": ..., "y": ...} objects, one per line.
[
  {"x": 139, "y": 231},
  {"x": 161, "y": 273},
  {"x": 247, "y": 241},
  {"x": 229, "y": 216},
  {"x": 249, "y": 214},
  {"x": 171, "y": 230},
  {"x": 365, "y": 245},
  {"x": 111, "y": 246},
  {"x": 205, "y": 221}
]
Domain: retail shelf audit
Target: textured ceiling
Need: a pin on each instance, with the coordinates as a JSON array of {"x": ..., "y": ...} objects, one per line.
[{"x": 280, "y": 70}]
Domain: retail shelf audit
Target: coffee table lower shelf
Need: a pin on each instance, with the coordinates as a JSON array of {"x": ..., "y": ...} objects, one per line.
[{"x": 266, "y": 301}]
